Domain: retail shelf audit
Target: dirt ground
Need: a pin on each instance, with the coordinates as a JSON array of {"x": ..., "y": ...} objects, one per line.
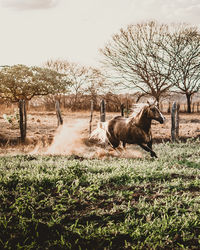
[{"x": 42, "y": 128}]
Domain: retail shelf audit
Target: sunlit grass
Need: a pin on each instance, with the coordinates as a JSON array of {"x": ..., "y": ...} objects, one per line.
[{"x": 57, "y": 202}]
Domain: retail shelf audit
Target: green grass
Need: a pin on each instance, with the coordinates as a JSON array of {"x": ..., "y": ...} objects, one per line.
[{"x": 57, "y": 202}]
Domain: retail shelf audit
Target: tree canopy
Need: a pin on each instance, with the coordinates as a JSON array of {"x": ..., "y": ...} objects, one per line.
[
  {"x": 185, "y": 47},
  {"x": 84, "y": 80},
  {"x": 135, "y": 59},
  {"x": 20, "y": 82},
  {"x": 152, "y": 58}
]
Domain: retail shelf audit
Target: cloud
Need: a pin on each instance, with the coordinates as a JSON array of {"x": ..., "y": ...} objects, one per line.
[{"x": 29, "y": 4}]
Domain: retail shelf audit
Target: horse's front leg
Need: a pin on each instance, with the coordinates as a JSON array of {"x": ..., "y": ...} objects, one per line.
[
  {"x": 149, "y": 144},
  {"x": 148, "y": 149}
]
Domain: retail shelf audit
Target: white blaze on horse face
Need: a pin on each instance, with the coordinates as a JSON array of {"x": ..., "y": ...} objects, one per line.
[{"x": 161, "y": 115}]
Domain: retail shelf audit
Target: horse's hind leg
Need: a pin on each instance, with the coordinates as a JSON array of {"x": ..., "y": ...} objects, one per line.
[
  {"x": 114, "y": 143},
  {"x": 112, "y": 140},
  {"x": 122, "y": 149}
]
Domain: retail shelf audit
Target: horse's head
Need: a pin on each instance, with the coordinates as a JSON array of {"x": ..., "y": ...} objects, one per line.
[{"x": 154, "y": 113}]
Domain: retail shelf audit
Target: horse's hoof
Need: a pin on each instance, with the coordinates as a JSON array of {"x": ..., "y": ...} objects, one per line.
[{"x": 154, "y": 155}]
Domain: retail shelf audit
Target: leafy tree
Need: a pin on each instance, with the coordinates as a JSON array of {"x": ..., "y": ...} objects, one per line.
[{"x": 20, "y": 83}]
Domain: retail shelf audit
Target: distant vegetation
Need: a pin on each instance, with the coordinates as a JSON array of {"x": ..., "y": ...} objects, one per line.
[
  {"x": 57, "y": 202},
  {"x": 149, "y": 58}
]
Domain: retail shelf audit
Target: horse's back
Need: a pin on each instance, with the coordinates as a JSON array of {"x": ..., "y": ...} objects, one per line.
[
  {"x": 117, "y": 126},
  {"x": 115, "y": 121},
  {"x": 112, "y": 130},
  {"x": 118, "y": 118}
]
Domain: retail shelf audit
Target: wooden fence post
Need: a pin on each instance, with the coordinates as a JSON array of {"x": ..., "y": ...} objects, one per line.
[
  {"x": 91, "y": 116},
  {"x": 175, "y": 121},
  {"x": 169, "y": 107},
  {"x": 122, "y": 109},
  {"x": 58, "y": 113},
  {"x": 102, "y": 111},
  {"x": 22, "y": 120},
  {"x": 127, "y": 108},
  {"x": 197, "y": 107}
]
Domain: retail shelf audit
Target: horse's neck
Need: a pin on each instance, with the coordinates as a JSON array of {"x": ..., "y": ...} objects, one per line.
[{"x": 142, "y": 121}]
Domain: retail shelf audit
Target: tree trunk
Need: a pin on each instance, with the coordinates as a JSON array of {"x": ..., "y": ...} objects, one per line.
[
  {"x": 74, "y": 103},
  {"x": 188, "y": 96}
]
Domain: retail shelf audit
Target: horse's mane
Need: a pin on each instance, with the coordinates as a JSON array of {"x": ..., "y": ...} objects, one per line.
[{"x": 137, "y": 107}]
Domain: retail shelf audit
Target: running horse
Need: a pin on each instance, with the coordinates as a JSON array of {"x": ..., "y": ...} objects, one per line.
[{"x": 134, "y": 130}]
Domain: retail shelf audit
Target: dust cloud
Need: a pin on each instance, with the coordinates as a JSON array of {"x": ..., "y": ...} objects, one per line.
[
  {"x": 69, "y": 140},
  {"x": 73, "y": 140}
]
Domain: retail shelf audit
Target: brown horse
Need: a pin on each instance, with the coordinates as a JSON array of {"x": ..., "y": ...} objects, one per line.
[{"x": 134, "y": 130}]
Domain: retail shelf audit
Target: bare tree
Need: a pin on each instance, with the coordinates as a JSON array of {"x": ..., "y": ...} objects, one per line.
[
  {"x": 95, "y": 85},
  {"x": 136, "y": 60},
  {"x": 185, "y": 47},
  {"x": 84, "y": 80}
]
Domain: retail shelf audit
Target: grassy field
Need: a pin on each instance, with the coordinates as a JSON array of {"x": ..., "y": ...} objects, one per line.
[{"x": 57, "y": 202}]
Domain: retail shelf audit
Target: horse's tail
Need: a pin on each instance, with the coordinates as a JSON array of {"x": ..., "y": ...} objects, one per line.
[{"x": 100, "y": 133}]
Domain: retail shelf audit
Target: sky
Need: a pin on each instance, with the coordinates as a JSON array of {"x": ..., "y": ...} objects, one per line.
[{"x": 34, "y": 31}]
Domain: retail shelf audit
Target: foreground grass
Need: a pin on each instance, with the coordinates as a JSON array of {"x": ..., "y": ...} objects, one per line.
[{"x": 56, "y": 202}]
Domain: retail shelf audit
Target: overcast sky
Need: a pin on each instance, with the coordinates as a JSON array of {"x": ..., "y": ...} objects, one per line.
[{"x": 33, "y": 31}]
